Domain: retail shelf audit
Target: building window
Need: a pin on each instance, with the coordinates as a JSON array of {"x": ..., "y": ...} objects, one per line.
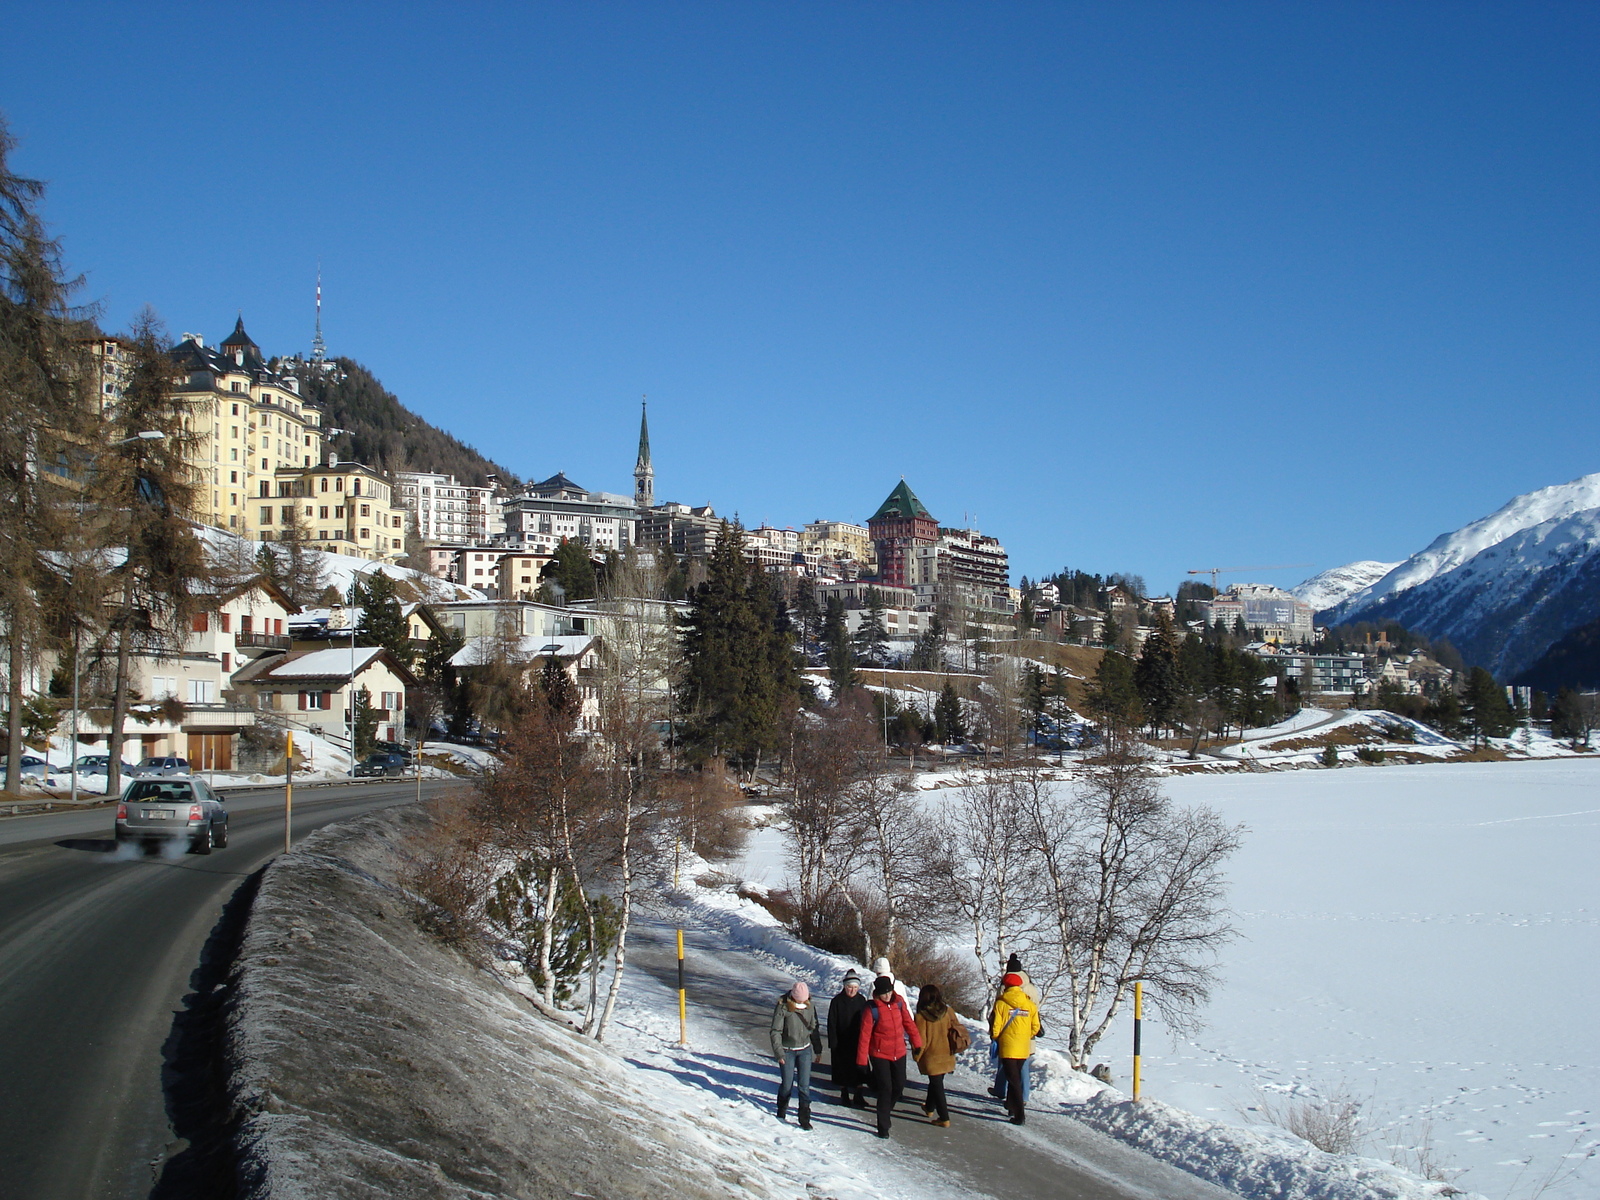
[
  {"x": 338, "y": 512},
  {"x": 366, "y": 510},
  {"x": 266, "y": 516},
  {"x": 365, "y": 533},
  {"x": 324, "y": 486},
  {"x": 227, "y": 623},
  {"x": 202, "y": 622},
  {"x": 338, "y": 484},
  {"x": 288, "y": 513},
  {"x": 322, "y": 513},
  {"x": 227, "y": 664},
  {"x": 266, "y": 488},
  {"x": 322, "y": 535}
]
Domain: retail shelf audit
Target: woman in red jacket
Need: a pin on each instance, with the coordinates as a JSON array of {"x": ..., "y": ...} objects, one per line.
[{"x": 885, "y": 1026}]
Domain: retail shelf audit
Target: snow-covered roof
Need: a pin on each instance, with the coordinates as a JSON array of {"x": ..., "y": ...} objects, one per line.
[
  {"x": 482, "y": 651},
  {"x": 333, "y": 663}
]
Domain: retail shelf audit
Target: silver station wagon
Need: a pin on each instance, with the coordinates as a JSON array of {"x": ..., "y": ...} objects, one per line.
[{"x": 156, "y": 810}]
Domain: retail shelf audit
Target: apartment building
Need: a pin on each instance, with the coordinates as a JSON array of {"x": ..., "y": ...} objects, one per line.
[
  {"x": 683, "y": 529},
  {"x": 342, "y": 507},
  {"x": 557, "y": 510},
  {"x": 839, "y": 541},
  {"x": 249, "y": 423},
  {"x": 446, "y": 511}
]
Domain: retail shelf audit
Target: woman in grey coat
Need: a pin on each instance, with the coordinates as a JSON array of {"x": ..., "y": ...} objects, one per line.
[{"x": 794, "y": 1026}]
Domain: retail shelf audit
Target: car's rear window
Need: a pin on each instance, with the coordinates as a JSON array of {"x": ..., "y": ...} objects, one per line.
[{"x": 164, "y": 789}]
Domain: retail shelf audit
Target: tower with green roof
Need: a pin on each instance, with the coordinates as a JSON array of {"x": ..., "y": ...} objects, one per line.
[{"x": 901, "y": 524}]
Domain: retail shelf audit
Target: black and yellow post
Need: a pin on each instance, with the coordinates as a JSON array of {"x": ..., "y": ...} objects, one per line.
[
  {"x": 1138, "y": 1021},
  {"x": 683, "y": 1003},
  {"x": 288, "y": 784}
]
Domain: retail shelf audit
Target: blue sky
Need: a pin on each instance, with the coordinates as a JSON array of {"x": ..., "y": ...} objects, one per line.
[{"x": 1137, "y": 287}]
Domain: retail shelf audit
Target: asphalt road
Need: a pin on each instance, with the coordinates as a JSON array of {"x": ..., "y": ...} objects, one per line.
[{"x": 98, "y": 950}]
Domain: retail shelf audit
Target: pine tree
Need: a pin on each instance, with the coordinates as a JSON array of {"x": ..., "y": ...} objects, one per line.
[
  {"x": 947, "y": 721},
  {"x": 1487, "y": 711},
  {"x": 382, "y": 621},
  {"x": 1114, "y": 698},
  {"x": 740, "y": 671},
  {"x": 570, "y": 575},
  {"x": 1156, "y": 674},
  {"x": 839, "y": 653},
  {"x": 1033, "y": 689},
  {"x": 872, "y": 636}
]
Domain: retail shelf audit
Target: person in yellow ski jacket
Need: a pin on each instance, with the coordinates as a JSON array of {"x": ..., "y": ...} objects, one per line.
[{"x": 1013, "y": 1025}]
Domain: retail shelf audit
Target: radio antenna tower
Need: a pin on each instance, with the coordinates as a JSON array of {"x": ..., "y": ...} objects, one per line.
[{"x": 319, "y": 348}]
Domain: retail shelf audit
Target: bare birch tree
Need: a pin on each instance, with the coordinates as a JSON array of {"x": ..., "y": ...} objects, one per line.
[{"x": 1133, "y": 889}]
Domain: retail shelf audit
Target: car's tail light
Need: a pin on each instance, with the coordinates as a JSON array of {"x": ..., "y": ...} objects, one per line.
[
  {"x": 122, "y": 812},
  {"x": 194, "y": 812}
]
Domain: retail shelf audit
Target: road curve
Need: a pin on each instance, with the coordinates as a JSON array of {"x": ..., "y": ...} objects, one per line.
[{"x": 97, "y": 949}]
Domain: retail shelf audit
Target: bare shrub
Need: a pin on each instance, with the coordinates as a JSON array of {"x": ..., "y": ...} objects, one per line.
[
  {"x": 448, "y": 872},
  {"x": 1413, "y": 1148},
  {"x": 920, "y": 960},
  {"x": 1334, "y": 1124}
]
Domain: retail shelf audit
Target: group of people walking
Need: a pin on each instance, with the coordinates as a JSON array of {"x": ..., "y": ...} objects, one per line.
[{"x": 868, "y": 1039}]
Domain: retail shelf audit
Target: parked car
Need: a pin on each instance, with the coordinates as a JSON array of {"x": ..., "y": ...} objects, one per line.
[
  {"x": 155, "y": 810},
  {"x": 99, "y": 764},
  {"x": 160, "y": 765},
  {"x": 399, "y": 748},
  {"x": 382, "y": 763},
  {"x": 32, "y": 765}
]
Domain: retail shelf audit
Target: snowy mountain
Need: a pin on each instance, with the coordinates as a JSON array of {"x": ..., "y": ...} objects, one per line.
[
  {"x": 1327, "y": 588},
  {"x": 1504, "y": 588}
]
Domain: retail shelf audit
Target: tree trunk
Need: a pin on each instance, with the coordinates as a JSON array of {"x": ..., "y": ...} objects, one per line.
[
  {"x": 119, "y": 715},
  {"x": 620, "y": 956},
  {"x": 14, "y": 704},
  {"x": 547, "y": 986}
]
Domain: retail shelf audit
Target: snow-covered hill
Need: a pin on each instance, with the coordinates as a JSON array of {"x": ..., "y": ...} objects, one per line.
[
  {"x": 1503, "y": 588},
  {"x": 1327, "y": 588}
]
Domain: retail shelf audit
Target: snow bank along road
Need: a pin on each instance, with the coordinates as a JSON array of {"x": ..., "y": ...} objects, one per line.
[
  {"x": 366, "y": 1059},
  {"x": 96, "y": 954}
]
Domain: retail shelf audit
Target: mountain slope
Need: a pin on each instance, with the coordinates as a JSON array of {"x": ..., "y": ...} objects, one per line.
[
  {"x": 1572, "y": 662},
  {"x": 1327, "y": 588},
  {"x": 384, "y": 434},
  {"x": 1503, "y": 589},
  {"x": 1450, "y": 550}
]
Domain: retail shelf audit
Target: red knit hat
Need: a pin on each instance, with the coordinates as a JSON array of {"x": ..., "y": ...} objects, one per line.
[{"x": 1011, "y": 980}]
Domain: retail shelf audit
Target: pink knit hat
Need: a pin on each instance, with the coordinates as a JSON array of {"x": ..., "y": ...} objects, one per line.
[{"x": 800, "y": 992}]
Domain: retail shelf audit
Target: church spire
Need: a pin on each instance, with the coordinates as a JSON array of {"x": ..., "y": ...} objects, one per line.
[{"x": 644, "y": 475}]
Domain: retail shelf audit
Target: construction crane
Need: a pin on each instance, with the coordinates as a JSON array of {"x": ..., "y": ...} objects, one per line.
[{"x": 1215, "y": 571}]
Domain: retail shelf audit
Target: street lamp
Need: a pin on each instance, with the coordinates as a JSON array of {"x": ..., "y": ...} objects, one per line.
[{"x": 144, "y": 435}]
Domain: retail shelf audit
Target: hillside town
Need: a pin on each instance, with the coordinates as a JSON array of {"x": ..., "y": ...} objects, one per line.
[{"x": 263, "y": 653}]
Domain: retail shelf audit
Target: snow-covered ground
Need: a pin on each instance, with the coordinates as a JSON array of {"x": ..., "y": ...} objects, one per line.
[{"x": 1426, "y": 938}]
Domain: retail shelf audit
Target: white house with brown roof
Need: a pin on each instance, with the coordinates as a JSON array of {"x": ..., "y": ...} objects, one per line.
[{"x": 312, "y": 689}]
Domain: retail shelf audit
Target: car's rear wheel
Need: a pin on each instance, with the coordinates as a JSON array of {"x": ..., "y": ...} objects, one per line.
[
  {"x": 202, "y": 844},
  {"x": 222, "y": 842}
]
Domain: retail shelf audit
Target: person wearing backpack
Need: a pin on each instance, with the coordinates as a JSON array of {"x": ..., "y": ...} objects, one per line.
[
  {"x": 794, "y": 1040},
  {"x": 885, "y": 1026},
  {"x": 1013, "y": 1025},
  {"x": 943, "y": 1037},
  {"x": 998, "y": 1090}
]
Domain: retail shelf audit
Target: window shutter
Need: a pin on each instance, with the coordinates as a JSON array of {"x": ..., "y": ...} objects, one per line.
[{"x": 302, "y": 701}]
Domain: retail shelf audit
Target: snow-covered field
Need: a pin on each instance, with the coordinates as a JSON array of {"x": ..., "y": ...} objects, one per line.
[
  {"x": 1427, "y": 937},
  {"x": 1423, "y": 937}
]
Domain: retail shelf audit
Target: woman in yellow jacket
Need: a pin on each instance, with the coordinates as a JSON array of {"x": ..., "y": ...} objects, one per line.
[{"x": 1014, "y": 1024}]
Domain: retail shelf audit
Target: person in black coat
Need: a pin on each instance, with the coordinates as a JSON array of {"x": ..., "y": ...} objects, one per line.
[{"x": 844, "y": 1030}]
